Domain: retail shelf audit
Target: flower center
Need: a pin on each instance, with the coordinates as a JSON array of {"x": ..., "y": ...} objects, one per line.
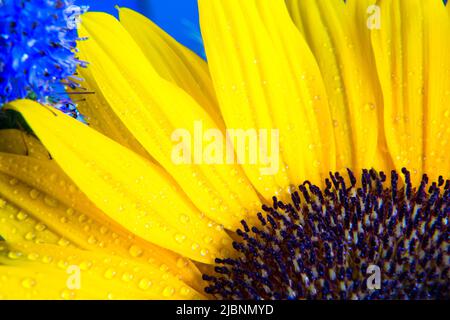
[{"x": 372, "y": 241}]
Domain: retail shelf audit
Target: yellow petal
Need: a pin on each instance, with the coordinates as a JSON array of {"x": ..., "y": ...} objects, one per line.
[
  {"x": 437, "y": 87},
  {"x": 19, "y": 142},
  {"x": 99, "y": 115},
  {"x": 31, "y": 214},
  {"x": 266, "y": 78},
  {"x": 30, "y": 271},
  {"x": 153, "y": 109},
  {"x": 399, "y": 48},
  {"x": 132, "y": 191},
  {"x": 172, "y": 61},
  {"x": 73, "y": 219},
  {"x": 340, "y": 41},
  {"x": 18, "y": 225}
]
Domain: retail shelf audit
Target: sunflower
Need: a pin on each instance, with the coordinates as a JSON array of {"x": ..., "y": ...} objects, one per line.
[{"x": 357, "y": 88}]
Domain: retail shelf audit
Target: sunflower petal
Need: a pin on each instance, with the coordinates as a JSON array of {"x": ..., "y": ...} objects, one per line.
[
  {"x": 399, "y": 48},
  {"x": 71, "y": 217},
  {"x": 19, "y": 142},
  {"x": 131, "y": 190},
  {"x": 44, "y": 272},
  {"x": 340, "y": 42},
  {"x": 437, "y": 86},
  {"x": 17, "y": 225},
  {"x": 254, "y": 53},
  {"x": 98, "y": 114},
  {"x": 56, "y": 219},
  {"x": 172, "y": 61},
  {"x": 151, "y": 108}
]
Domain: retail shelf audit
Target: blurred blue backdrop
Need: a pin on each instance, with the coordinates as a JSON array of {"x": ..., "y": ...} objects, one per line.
[{"x": 179, "y": 18}]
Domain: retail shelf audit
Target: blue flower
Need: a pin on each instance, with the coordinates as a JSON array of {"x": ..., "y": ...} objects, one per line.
[{"x": 38, "y": 50}]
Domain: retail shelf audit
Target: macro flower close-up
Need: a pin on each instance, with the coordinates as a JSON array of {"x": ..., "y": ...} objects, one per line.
[{"x": 306, "y": 157}]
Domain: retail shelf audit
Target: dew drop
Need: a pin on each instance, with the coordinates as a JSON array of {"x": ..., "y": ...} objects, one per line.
[
  {"x": 82, "y": 218},
  {"x": 369, "y": 106},
  {"x": 109, "y": 273},
  {"x": 30, "y": 236},
  {"x": 33, "y": 256},
  {"x": 34, "y": 194},
  {"x": 184, "y": 218},
  {"x": 182, "y": 263},
  {"x": 40, "y": 227},
  {"x": 51, "y": 202},
  {"x": 127, "y": 277},
  {"x": 234, "y": 172},
  {"x": 168, "y": 291},
  {"x": 204, "y": 252},
  {"x": 92, "y": 240},
  {"x": 184, "y": 291},
  {"x": 144, "y": 284},
  {"x": 164, "y": 268},
  {"x": 14, "y": 255},
  {"x": 86, "y": 265},
  {"x": 28, "y": 283},
  {"x": 208, "y": 240},
  {"x": 180, "y": 238},
  {"x": 67, "y": 294},
  {"x": 63, "y": 242},
  {"x": 47, "y": 259},
  {"x": 62, "y": 264},
  {"x": 135, "y": 251},
  {"x": 21, "y": 216}
]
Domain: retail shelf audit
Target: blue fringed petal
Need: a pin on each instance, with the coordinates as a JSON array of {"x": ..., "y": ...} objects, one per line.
[{"x": 37, "y": 50}]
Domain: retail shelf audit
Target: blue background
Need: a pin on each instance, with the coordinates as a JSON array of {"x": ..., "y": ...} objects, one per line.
[{"x": 179, "y": 18}]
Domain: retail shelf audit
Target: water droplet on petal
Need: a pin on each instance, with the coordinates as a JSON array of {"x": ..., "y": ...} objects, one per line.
[
  {"x": 92, "y": 240},
  {"x": 30, "y": 236},
  {"x": 14, "y": 255},
  {"x": 180, "y": 238},
  {"x": 34, "y": 194},
  {"x": 21, "y": 216},
  {"x": 67, "y": 294},
  {"x": 127, "y": 277},
  {"x": 184, "y": 291},
  {"x": 109, "y": 273},
  {"x": 85, "y": 265},
  {"x": 28, "y": 283},
  {"x": 144, "y": 284},
  {"x": 63, "y": 242},
  {"x": 208, "y": 240},
  {"x": 168, "y": 291},
  {"x": 51, "y": 202},
  {"x": 33, "y": 256},
  {"x": 135, "y": 251}
]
